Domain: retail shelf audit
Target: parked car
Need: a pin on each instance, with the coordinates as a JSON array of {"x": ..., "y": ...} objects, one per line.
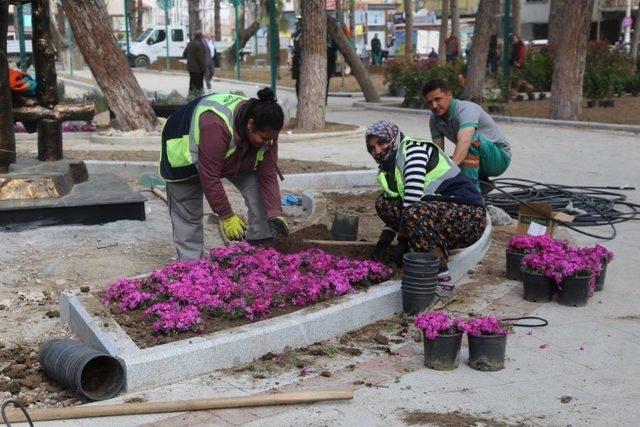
[{"x": 152, "y": 44}]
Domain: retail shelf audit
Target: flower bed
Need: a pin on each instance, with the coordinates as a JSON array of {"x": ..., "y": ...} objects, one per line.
[{"x": 238, "y": 283}]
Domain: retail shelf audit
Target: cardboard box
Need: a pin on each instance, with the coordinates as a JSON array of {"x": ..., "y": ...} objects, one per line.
[{"x": 534, "y": 219}]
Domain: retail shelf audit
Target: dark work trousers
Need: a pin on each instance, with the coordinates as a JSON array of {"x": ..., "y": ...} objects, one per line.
[{"x": 196, "y": 81}]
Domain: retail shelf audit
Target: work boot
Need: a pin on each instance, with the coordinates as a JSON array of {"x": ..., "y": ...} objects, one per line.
[{"x": 384, "y": 243}]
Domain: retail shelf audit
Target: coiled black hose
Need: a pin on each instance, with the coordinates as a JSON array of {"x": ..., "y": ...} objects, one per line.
[
  {"x": 17, "y": 405},
  {"x": 590, "y": 205}
]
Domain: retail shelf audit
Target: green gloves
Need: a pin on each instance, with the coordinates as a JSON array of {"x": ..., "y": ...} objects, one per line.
[
  {"x": 234, "y": 227},
  {"x": 279, "y": 225}
]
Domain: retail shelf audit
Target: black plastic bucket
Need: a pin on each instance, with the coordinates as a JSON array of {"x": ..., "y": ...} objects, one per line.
[
  {"x": 345, "y": 227},
  {"x": 94, "y": 374},
  {"x": 442, "y": 353},
  {"x": 419, "y": 273},
  {"x": 420, "y": 283},
  {"x": 414, "y": 303},
  {"x": 487, "y": 352},
  {"x": 538, "y": 287},
  {"x": 420, "y": 259},
  {"x": 574, "y": 291},
  {"x": 602, "y": 277},
  {"x": 419, "y": 291},
  {"x": 513, "y": 265}
]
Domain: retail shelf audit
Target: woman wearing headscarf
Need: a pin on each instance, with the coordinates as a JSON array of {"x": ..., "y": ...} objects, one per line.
[{"x": 427, "y": 202}]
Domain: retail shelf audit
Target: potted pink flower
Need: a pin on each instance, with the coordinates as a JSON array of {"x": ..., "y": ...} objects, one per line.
[
  {"x": 537, "y": 284},
  {"x": 442, "y": 337},
  {"x": 600, "y": 257},
  {"x": 519, "y": 246},
  {"x": 487, "y": 342}
]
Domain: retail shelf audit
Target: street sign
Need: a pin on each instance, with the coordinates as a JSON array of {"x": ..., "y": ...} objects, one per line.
[{"x": 166, "y": 4}]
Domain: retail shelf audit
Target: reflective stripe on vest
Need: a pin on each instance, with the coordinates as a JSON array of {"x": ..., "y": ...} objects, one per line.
[
  {"x": 184, "y": 151},
  {"x": 445, "y": 169}
]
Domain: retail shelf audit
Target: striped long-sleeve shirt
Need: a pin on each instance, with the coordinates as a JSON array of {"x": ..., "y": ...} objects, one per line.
[{"x": 415, "y": 172}]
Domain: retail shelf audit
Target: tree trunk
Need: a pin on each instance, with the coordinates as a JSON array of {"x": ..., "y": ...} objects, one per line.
[
  {"x": 352, "y": 20},
  {"x": 132, "y": 20},
  {"x": 357, "y": 69},
  {"x": 444, "y": 24},
  {"x": 515, "y": 17},
  {"x": 313, "y": 69},
  {"x": 455, "y": 21},
  {"x": 195, "y": 24},
  {"x": 636, "y": 37},
  {"x": 408, "y": 28},
  {"x": 570, "y": 59},
  {"x": 44, "y": 55},
  {"x": 484, "y": 28},
  {"x": 7, "y": 136},
  {"x": 109, "y": 66},
  {"x": 241, "y": 15},
  {"x": 555, "y": 22},
  {"x": 229, "y": 55},
  {"x": 139, "y": 11},
  {"x": 217, "y": 34},
  {"x": 339, "y": 11}
]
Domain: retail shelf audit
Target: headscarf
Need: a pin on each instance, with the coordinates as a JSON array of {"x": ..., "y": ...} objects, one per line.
[{"x": 390, "y": 134}]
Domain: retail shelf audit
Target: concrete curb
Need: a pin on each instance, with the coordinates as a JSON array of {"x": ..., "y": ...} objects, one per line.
[
  {"x": 187, "y": 358},
  {"x": 284, "y": 137},
  {"x": 66, "y": 136},
  {"x": 510, "y": 119}
]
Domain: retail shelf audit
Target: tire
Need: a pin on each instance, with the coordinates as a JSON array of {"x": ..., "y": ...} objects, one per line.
[{"x": 141, "y": 61}]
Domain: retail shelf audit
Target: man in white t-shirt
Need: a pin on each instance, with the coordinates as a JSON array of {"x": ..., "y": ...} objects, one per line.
[{"x": 211, "y": 54}]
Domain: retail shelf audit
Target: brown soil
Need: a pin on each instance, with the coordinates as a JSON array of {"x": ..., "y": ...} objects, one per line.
[
  {"x": 263, "y": 75},
  {"x": 329, "y": 127},
  {"x": 161, "y": 65},
  {"x": 626, "y": 111},
  {"x": 22, "y": 378},
  {"x": 450, "y": 419}
]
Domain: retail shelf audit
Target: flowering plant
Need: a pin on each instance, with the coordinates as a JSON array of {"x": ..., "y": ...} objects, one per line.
[
  {"x": 484, "y": 325},
  {"x": 240, "y": 281},
  {"x": 599, "y": 253},
  {"x": 436, "y": 323},
  {"x": 526, "y": 244}
]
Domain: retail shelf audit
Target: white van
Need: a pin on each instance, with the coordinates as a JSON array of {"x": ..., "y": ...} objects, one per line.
[{"x": 152, "y": 44}]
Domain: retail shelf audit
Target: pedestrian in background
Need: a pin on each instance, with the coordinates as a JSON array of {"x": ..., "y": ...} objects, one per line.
[
  {"x": 195, "y": 54},
  {"x": 210, "y": 48}
]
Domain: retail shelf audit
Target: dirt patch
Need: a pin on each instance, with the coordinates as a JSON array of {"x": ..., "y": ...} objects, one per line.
[
  {"x": 328, "y": 127},
  {"x": 451, "y": 419},
  {"x": 22, "y": 379},
  {"x": 263, "y": 75},
  {"x": 161, "y": 65},
  {"x": 626, "y": 111},
  {"x": 629, "y": 317}
]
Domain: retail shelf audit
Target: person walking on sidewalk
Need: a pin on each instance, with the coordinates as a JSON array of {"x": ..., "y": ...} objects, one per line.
[
  {"x": 196, "y": 57},
  {"x": 427, "y": 202},
  {"x": 210, "y": 51},
  {"x": 481, "y": 150},
  {"x": 223, "y": 136}
]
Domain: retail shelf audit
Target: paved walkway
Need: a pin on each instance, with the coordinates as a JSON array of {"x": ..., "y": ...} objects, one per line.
[{"x": 591, "y": 354}]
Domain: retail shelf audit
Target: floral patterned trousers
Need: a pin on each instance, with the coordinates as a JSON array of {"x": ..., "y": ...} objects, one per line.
[{"x": 433, "y": 224}]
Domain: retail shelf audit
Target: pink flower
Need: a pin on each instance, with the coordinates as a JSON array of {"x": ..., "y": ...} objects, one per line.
[
  {"x": 436, "y": 323},
  {"x": 484, "y": 325},
  {"x": 240, "y": 281}
]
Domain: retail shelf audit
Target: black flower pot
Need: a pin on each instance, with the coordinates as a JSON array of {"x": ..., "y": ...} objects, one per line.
[
  {"x": 602, "y": 277},
  {"x": 537, "y": 287},
  {"x": 574, "y": 291},
  {"x": 496, "y": 109},
  {"x": 345, "y": 227},
  {"x": 442, "y": 353},
  {"x": 487, "y": 352},
  {"x": 513, "y": 265},
  {"x": 531, "y": 96},
  {"x": 591, "y": 104},
  {"x": 417, "y": 302},
  {"x": 542, "y": 96}
]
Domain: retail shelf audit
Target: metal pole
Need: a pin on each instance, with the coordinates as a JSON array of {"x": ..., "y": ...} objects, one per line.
[
  {"x": 506, "y": 30},
  {"x": 274, "y": 50},
  {"x": 237, "y": 44},
  {"x": 126, "y": 24},
  {"x": 69, "y": 45},
  {"x": 23, "y": 54},
  {"x": 627, "y": 30},
  {"x": 166, "y": 29}
]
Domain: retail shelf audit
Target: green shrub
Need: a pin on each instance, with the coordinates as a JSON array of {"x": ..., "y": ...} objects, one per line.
[
  {"x": 99, "y": 101},
  {"x": 411, "y": 76},
  {"x": 632, "y": 84},
  {"x": 606, "y": 71},
  {"x": 537, "y": 70}
]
